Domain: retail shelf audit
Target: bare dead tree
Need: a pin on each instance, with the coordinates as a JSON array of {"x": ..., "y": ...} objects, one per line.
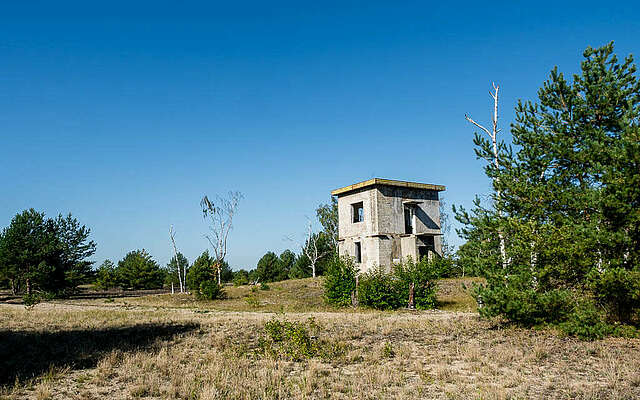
[
  {"x": 182, "y": 274},
  {"x": 175, "y": 253},
  {"x": 311, "y": 249},
  {"x": 493, "y": 135},
  {"x": 220, "y": 213}
]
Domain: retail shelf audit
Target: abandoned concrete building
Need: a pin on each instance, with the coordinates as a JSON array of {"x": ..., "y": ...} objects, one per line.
[{"x": 382, "y": 221}]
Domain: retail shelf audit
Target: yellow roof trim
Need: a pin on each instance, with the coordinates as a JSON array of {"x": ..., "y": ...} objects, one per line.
[{"x": 387, "y": 182}]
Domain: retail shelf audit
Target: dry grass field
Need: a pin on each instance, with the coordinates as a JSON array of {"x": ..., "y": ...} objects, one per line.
[{"x": 174, "y": 347}]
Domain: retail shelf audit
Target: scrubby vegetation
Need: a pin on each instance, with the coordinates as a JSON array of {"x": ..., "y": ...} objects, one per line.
[
  {"x": 340, "y": 281},
  {"x": 409, "y": 284},
  {"x": 176, "y": 347}
]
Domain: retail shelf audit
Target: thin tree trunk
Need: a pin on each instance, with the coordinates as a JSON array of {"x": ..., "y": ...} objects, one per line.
[
  {"x": 493, "y": 134},
  {"x": 184, "y": 275},
  {"x": 412, "y": 304},
  {"x": 175, "y": 253},
  {"x": 354, "y": 294},
  {"x": 494, "y": 142}
]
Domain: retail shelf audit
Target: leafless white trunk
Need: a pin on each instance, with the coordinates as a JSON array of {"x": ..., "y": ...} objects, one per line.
[
  {"x": 493, "y": 135},
  {"x": 175, "y": 253},
  {"x": 310, "y": 249},
  {"x": 220, "y": 213}
]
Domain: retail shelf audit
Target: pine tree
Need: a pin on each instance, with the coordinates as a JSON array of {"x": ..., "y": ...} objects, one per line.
[
  {"x": 200, "y": 271},
  {"x": 568, "y": 202},
  {"x": 106, "y": 275},
  {"x": 175, "y": 268},
  {"x": 39, "y": 254},
  {"x": 138, "y": 270}
]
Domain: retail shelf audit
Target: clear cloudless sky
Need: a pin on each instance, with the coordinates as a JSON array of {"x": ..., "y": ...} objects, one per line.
[{"x": 126, "y": 113}]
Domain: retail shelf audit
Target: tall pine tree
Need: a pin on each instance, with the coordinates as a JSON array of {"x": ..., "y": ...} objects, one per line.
[{"x": 568, "y": 204}]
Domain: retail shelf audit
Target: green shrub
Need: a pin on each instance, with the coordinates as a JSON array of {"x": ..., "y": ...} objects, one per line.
[
  {"x": 379, "y": 289},
  {"x": 201, "y": 271},
  {"x": 514, "y": 299},
  {"x": 340, "y": 281},
  {"x": 264, "y": 286},
  {"x": 30, "y": 300},
  {"x": 387, "y": 350},
  {"x": 424, "y": 276},
  {"x": 586, "y": 322},
  {"x": 106, "y": 276},
  {"x": 240, "y": 278},
  {"x": 618, "y": 290},
  {"x": 210, "y": 290},
  {"x": 297, "y": 341},
  {"x": 390, "y": 290},
  {"x": 252, "y": 301},
  {"x": 289, "y": 340},
  {"x": 573, "y": 312}
]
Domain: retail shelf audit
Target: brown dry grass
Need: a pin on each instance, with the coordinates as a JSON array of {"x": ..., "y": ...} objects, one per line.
[{"x": 170, "y": 349}]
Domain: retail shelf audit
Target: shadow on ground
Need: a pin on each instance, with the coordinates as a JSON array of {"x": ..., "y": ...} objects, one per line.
[{"x": 29, "y": 354}]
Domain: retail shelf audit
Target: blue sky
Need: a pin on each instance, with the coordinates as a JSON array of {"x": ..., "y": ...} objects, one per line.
[{"x": 126, "y": 114}]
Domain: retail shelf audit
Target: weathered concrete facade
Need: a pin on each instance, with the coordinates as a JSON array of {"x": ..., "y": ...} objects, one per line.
[{"x": 381, "y": 221}]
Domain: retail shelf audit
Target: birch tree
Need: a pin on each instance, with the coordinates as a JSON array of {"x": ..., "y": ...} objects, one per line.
[
  {"x": 219, "y": 213},
  {"x": 494, "y": 159},
  {"x": 312, "y": 248},
  {"x": 182, "y": 273}
]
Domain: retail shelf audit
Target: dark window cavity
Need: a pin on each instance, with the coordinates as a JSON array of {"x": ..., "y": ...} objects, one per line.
[{"x": 358, "y": 212}]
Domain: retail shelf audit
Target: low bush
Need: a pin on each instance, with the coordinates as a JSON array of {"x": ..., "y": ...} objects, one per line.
[
  {"x": 618, "y": 291},
  {"x": 340, "y": 281},
  {"x": 586, "y": 322},
  {"x": 30, "y": 300},
  {"x": 379, "y": 289},
  {"x": 424, "y": 276},
  {"x": 296, "y": 341},
  {"x": 210, "y": 290},
  {"x": 289, "y": 340},
  {"x": 390, "y": 290},
  {"x": 576, "y": 313},
  {"x": 525, "y": 306},
  {"x": 240, "y": 278}
]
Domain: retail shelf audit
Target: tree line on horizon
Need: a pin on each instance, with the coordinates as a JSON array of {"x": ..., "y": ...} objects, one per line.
[{"x": 50, "y": 257}]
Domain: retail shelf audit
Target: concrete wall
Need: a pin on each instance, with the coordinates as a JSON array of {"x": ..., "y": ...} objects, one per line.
[
  {"x": 346, "y": 226},
  {"x": 369, "y": 248},
  {"x": 391, "y": 209}
]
